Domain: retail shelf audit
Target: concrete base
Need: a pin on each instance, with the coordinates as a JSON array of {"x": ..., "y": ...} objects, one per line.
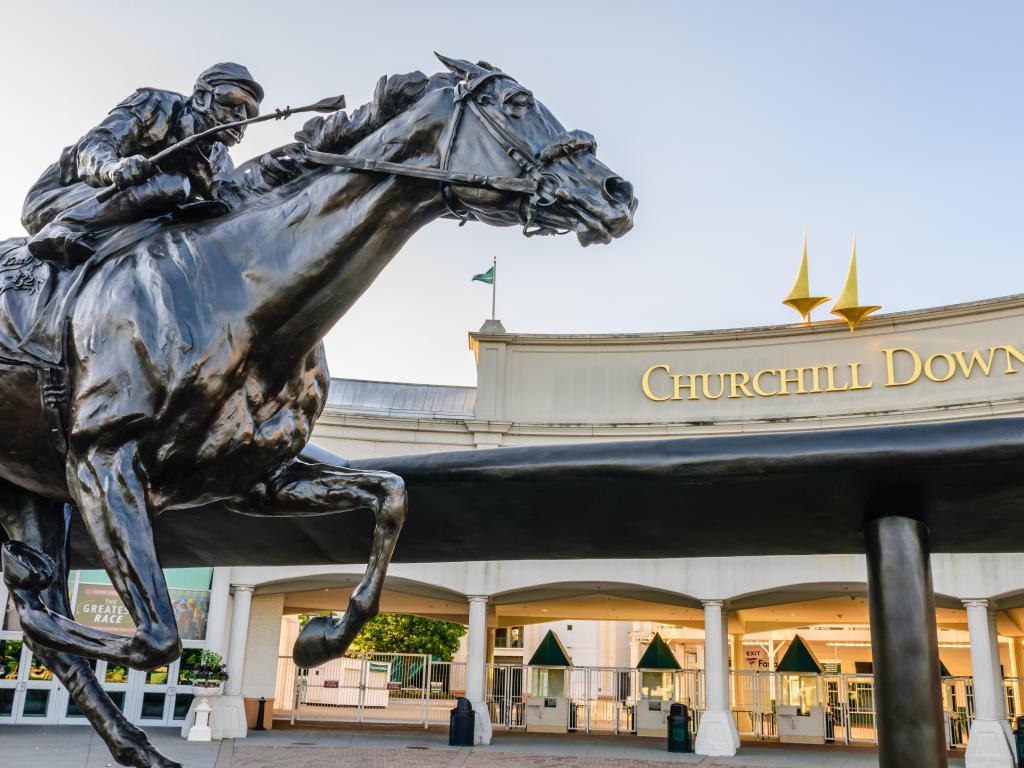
[
  {"x": 717, "y": 735},
  {"x": 481, "y": 724},
  {"x": 227, "y": 721},
  {"x": 988, "y": 747}
]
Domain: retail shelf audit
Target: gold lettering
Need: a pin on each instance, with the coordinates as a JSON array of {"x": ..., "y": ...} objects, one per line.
[
  {"x": 1016, "y": 353},
  {"x": 677, "y": 386},
  {"x": 855, "y": 376},
  {"x": 739, "y": 380},
  {"x": 815, "y": 378},
  {"x": 798, "y": 379},
  {"x": 646, "y": 383},
  {"x": 985, "y": 366},
  {"x": 950, "y": 367},
  {"x": 890, "y": 367},
  {"x": 757, "y": 382},
  {"x": 705, "y": 378},
  {"x": 830, "y": 371}
]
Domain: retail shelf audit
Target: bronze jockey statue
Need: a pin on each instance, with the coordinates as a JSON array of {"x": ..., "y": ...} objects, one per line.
[{"x": 61, "y": 210}]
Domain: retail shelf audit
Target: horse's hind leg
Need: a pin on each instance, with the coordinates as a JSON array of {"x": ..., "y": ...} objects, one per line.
[
  {"x": 43, "y": 525},
  {"x": 312, "y": 486}
]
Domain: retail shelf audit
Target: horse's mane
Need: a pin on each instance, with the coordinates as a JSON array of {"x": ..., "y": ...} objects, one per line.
[{"x": 338, "y": 131}]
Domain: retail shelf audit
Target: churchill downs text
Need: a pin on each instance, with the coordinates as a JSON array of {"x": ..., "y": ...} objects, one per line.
[{"x": 902, "y": 367}]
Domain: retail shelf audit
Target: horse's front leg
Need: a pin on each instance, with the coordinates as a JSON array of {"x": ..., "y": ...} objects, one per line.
[
  {"x": 314, "y": 488},
  {"x": 43, "y": 526},
  {"x": 109, "y": 489}
]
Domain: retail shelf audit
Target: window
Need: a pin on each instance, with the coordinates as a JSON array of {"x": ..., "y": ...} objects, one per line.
[{"x": 508, "y": 637}]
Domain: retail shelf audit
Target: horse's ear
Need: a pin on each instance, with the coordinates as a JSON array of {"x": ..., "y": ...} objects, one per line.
[{"x": 466, "y": 70}]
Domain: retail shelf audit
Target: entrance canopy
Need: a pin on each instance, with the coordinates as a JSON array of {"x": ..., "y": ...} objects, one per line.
[{"x": 768, "y": 494}]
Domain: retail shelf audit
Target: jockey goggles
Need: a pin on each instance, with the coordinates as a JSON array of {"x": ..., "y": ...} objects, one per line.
[{"x": 233, "y": 96}]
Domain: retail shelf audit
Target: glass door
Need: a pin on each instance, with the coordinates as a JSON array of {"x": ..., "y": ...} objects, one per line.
[
  {"x": 183, "y": 690},
  {"x": 11, "y": 687},
  {"x": 37, "y": 704},
  {"x": 152, "y": 706},
  {"x": 114, "y": 679}
]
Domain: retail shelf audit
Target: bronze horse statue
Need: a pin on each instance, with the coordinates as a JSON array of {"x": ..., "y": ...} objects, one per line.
[{"x": 186, "y": 367}]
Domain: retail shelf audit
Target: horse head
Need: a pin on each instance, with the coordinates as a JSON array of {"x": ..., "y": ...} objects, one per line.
[
  {"x": 505, "y": 160},
  {"x": 502, "y": 129}
]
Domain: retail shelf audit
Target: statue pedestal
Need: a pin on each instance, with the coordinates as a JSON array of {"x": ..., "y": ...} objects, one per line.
[{"x": 227, "y": 717}]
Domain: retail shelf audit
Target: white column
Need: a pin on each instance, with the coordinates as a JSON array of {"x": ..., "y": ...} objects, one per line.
[
  {"x": 239, "y": 634},
  {"x": 997, "y": 675},
  {"x": 717, "y": 733},
  {"x": 988, "y": 746},
  {"x": 476, "y": 661}
]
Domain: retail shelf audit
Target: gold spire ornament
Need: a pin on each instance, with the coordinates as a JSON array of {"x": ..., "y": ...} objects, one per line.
[
  {"x": 800, "y": 297},
  {"x": 847, "y": 305}
]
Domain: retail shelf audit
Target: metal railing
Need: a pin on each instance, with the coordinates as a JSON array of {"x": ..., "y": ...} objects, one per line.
[
  {"x": 395, "y": 688},
  {"x": 414, "y": 689},
  {"x": 848, "y": 704}
]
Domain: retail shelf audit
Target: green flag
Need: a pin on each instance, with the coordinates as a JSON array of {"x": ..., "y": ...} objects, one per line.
[{"x": 485, "y": 277}]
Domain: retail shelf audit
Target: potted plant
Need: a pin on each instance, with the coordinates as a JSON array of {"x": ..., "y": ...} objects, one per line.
[
  {"x": 208, "y": 675},
  {"x": 207, "y": 679}
]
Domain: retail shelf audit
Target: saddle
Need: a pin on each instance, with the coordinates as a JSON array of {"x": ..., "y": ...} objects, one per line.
[{"x": 26, "y": 288}]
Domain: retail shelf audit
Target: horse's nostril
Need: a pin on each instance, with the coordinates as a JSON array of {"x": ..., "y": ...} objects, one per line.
[{"x": 618, "y": 189}]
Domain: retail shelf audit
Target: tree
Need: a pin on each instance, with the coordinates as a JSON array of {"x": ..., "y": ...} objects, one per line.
[{"x": 399, "y": 633}]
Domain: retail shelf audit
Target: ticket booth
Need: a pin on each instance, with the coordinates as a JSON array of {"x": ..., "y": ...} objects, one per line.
[
  {"x": 658, "y": 688},
  {"x": 801, "y": 716},
  {"x": 547, "y": 706}
]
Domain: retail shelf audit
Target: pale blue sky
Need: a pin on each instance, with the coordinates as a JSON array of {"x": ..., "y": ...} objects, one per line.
[{"x": 738, "y": 122}]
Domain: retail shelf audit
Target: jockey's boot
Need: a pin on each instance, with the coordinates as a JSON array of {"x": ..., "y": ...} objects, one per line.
[{"x": 61, "y": 244}]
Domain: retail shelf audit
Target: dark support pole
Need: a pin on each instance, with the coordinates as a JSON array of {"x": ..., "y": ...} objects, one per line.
[{"x": 904, "y": 643}]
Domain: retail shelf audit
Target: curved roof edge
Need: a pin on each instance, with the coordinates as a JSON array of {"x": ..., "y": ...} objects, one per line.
[{"x": 881, "y": 322}]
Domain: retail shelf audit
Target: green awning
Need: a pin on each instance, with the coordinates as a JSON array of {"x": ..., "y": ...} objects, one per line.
[
  {"x": 799, "y": 659},
  {"x": 658, "y": 656},
  {"x": 550, "y": 653}
]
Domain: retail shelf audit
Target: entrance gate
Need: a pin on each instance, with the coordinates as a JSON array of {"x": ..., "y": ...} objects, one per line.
[{"x": 394, "y": 688}]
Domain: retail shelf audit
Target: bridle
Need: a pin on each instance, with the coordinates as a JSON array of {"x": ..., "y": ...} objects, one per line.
[{"x": 542, "y": 186}]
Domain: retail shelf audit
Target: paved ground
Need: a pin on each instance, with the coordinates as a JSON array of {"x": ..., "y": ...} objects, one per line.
[{"x": 78, "y": 747}]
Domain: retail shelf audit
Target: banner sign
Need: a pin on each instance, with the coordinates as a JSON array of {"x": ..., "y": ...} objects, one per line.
[{"x": 98, "y": 605}]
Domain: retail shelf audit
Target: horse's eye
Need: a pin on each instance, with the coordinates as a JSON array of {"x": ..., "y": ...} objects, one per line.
[
  {"x": 521, "y": 99},
  {"x": 484, "y": 99}
]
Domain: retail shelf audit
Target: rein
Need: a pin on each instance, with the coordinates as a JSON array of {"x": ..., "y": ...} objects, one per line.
[{"x": 542, "y": 186}]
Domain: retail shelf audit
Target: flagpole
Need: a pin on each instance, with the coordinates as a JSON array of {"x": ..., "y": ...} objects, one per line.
[{"x": 494, "y": 286}]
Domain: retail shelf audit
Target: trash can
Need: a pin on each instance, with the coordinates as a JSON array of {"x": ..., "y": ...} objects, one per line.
[
  {"x": 461, "y": 724},
  {"x": 1019, "y": 734},
  {"x": 679, "y": 739}
]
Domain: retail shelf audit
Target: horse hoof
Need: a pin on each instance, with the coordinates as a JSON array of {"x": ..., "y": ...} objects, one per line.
[
  {"x": 314, "y": 645},
  {"x": 26, "y": 567},
  {"x": 132, "y": 747}
]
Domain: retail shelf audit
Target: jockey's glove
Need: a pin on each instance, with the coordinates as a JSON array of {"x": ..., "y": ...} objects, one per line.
[{"x": 129, "y": 171}]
